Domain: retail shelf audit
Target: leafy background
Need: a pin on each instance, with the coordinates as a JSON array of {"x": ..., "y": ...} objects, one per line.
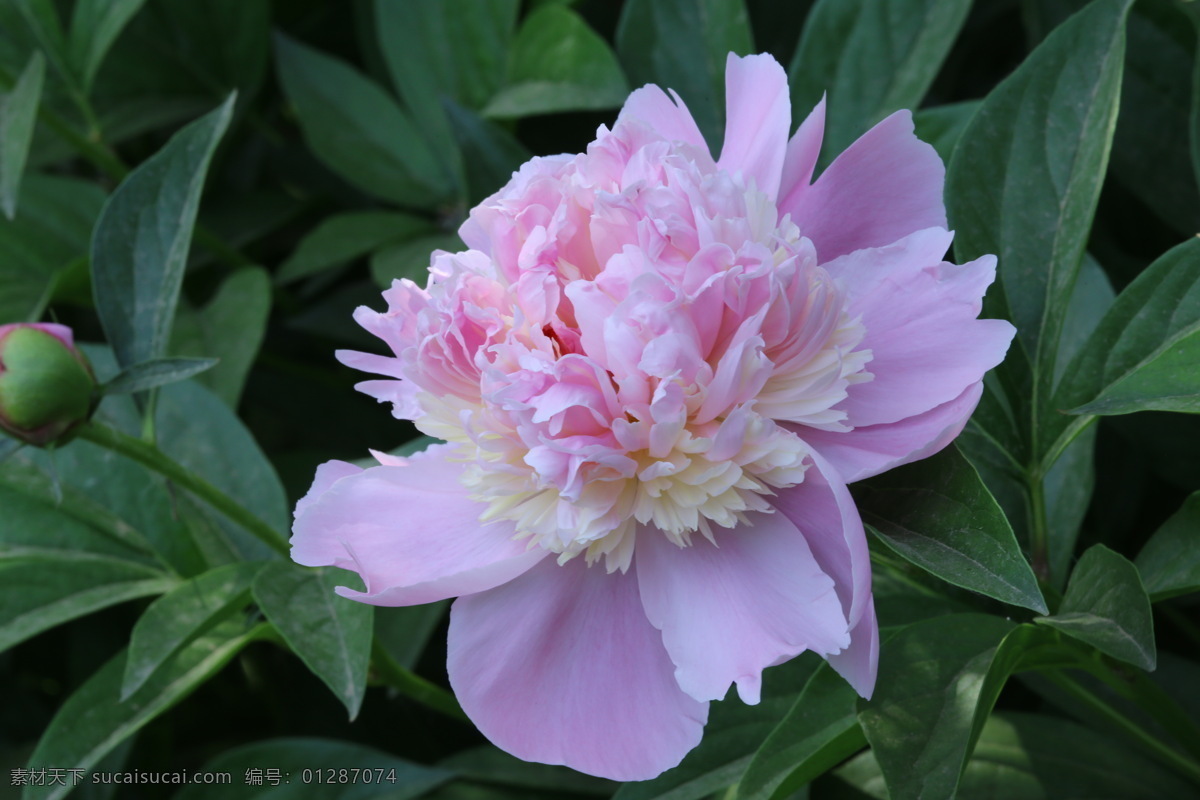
[{"x": 221, "y": 179}]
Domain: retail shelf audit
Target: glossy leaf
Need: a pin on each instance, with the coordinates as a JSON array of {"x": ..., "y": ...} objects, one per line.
[
  {"x": 345, "y": 237},
  {"x": 156, "y": 372},
  {"x": 872, "y": 57},
  {"x": 229, "y": 328},
  {"x": 331, "y": 634},
  {"x": 397, "y": 779},
  {"x": 1026, "y": 175},
  {"x": 558, "y": 64},
  {"x": 411, "y": 259},
  {"x": 404, "y": 631},
  {"x": 18, "y": 113},
  {"x": 1145, "y": 351},
  {"x": 938, "y": 514},
  {"x": 359, "y": 131},
  {"x": 819, "y": 732},
  {"x": 94, "y": 719},
  {"x": 928, "y": 700},
  {"x": 1169, "y": 564},
  {"x": 1107, "y": 607},
  {"x": 141, "y": 242},
  {"x": 682, "y": 45},
  {"x": 95, "y": 25},
  {"x": 181, "y": 615}
]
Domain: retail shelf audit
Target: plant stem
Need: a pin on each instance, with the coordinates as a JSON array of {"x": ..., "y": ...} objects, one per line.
[
  {"x": 1039, "y": 529},
  {"x": 150, "y": 456},
  {"x": 413, "y": 685}
]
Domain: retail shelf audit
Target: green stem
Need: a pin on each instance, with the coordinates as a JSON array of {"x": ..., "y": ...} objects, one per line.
[
  {"x": 1154, "y": 746},
  {"x": 150, "y": 456},
  {"x": 413, "y": 685},
  {"x": 1039, "y": 528}
]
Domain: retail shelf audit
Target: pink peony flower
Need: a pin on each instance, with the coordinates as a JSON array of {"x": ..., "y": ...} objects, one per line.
[{"x": 655, "y": 374}]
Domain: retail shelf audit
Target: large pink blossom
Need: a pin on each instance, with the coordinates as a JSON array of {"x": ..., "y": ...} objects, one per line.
[{"x": 655, "y": 374}]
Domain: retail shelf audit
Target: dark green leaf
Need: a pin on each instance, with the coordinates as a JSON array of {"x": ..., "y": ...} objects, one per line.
[
  {"x": 42, "y": 587},
  {"x": 331, "y": 634},
  {"x": 938, "y": 514},
  {"x": 345, "y": 237},
  {"x": 491, "y": 153},
  {"x": 140, "y": 246},
  {"x": 1145, "y": 351},
  {"x": 156, "y": 372},
  {"x": 93, "y": 720},
  {"x": 51, "y": 230},
  {"x": 682, "y": 45},
  {"x": 95, "y": 25},
  {"x": 873, "y": 57},
  {"x": 1107, "y": 607},
  {"x": 1170, "y": 562},
  {"x": 820, "y": 731},
  {"x": 229, "y": 328},
  {"x": 943, "y": 126},
  {"x": 410, "y": 259},
  {"x": 403, "y": 632},
  {"x": 357, "y": 129},
  {"x": 181, "y": 615},
  {"x": 557, "y": 64},
  {"x": 391, "y": 778},
  {"x": 489, "y": 765},
  {"x": 928, "y": 701},
  {"x": 18, "y": 112}
]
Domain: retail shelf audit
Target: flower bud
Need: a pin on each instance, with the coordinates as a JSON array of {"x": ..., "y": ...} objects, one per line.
[{"x": 46, "y": 384}]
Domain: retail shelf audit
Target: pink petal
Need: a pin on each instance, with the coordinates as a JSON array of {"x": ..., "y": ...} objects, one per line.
[
  {"x": 410, "y": 531},
  {"x": 821, "y": 507},
  {"x": 886, "y": 185},
  {"x": 758, "y": 115},
  {"x": 561, "y": 666},
  {"x": 874, "y": 449},
  {"x": 668, "y": 116},
  {"x": 728, "y": 611},
  {"x": 859, "y": 663},
  {"x": 920, "y": 317},
  {"x": 802, "y": 153}
]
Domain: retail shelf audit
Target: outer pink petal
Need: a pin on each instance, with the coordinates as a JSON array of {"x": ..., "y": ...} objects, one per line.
[
  {"x": 802, "y": 153},
  {"x": 874, "y": 449},
  {"x": 821, "y": 507},
  {"x": 561, "y": 666},
  {"x": 727, "y": 612},
  {"x": 668, "y": 116},
  {"x": 758, "y": 115},
  {"x": 886, "y": 185},
  {"x": 920, "y": 317},
  {"x": 410, "y": 531},
  {"x": 859, "y": 663}
]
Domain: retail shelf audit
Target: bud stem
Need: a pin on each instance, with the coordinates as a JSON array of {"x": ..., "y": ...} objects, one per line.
[{"x": 151, "y": 457}]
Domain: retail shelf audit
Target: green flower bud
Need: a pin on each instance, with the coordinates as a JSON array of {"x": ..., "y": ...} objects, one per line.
[{"x": 47, "y": 386}]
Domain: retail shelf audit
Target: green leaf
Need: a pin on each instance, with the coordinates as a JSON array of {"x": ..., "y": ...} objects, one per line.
[
  {"x": 943, "y": 126},
  {"x": 1107, "y": 607},
  {"x": 18, "y": 113},
  {"x": 820, "y": 731},
  {"x": 404, "y": 631},
  {"x": 1026, "y": 174},
  {"x": 330, "y": 634},
  {"x": 51, "y": 230},
  {"x": 42, "y": 587},
  {"x": 95, "y": 25},
  {"x": 930, "y": 700},
  {"x": 683, "y": 45},
  {"x": 558, "y": 64},
  {"x": 94, "y": 719},
  {"x": 1169, "y": 563},
  {"x": 492, "y": 766},
  {"x": 230, "y": 328},
  {"x": 491, "y": 153},
  {"x": 410, "y": 259},
  {"x": 1143, "y": 355},
  {"x": 156, "y": 372},
  {"x": 345, "y": 237},
  {"x": 391, "y": 778},
  {"x": 873, "y": 57},
  {"x": 140, "y": 246},
  {"x": 359, "y": 131},
  {"x": 181, "y": 615},
  {"x": 938, "y": 514}
]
